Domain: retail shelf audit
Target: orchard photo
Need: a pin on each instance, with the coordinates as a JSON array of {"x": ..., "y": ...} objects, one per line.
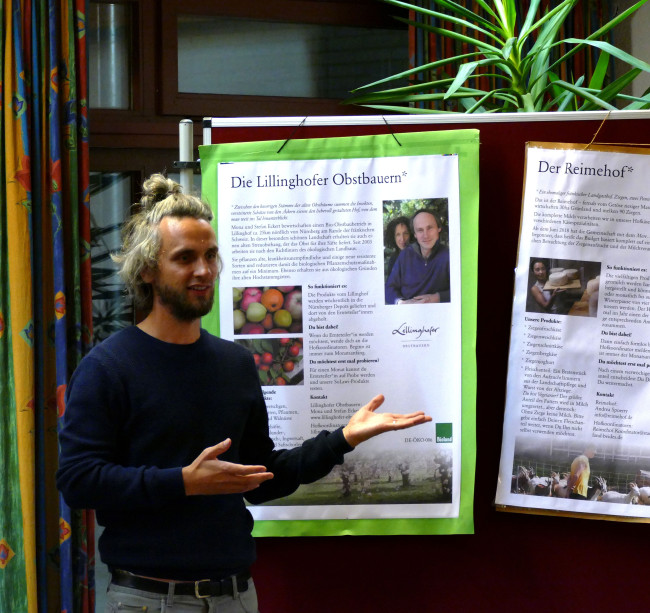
[{"x": 278, "y": 360}]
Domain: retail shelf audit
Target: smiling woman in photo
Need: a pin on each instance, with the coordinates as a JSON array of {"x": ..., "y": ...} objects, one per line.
[
  {"x": 543, "y": 299},
  {"x": 397, "y": 237}
]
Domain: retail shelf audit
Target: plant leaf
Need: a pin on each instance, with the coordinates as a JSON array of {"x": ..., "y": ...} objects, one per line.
[
  {"x": 507, "y": 48},
  {"x": 411, "y": 110},
  {"x": 466, "y": 71},
  {"x": 416, "y": 70},
  {"x": 553, "y": 17},
  {"x": 541, "y": 50},
  {"x": 477, "y": 107},
  {"x": 618, "y": 19},
  {"x": 530, "y": 16},
  {"x": 503, "y": 16},
  {"x": 562, "y": 97},
  {"x": 452, "y": 18},
  {"x": 600, "y": 72},
  {"x": 601, "y": 31},
  {"x": 642, "y": 103},
  {"x": 584, "y": 93},
  {"x": 612, "y": 50},
  {"x": 485, "y": 47},
  {"x": 612, "y": 91},
  {"x": 459, "y": 9}
]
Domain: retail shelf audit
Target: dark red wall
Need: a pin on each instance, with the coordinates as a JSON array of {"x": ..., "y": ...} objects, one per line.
[{"x": 513, "y": 562}]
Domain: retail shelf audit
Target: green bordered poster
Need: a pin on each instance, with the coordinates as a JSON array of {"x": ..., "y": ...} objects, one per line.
[{"x": 350, "y": 269}]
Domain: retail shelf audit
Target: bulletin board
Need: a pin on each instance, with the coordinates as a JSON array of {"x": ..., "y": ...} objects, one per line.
[{"x": 498, "y": 567}]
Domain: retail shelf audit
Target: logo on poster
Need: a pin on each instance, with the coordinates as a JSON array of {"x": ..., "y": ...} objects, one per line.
[
  {"x": 444, "y": 433},
  {"x": 406, "y": 330}
]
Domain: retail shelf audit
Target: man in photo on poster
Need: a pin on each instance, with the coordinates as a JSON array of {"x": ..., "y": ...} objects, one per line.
[{"x": 421, "y": 273}]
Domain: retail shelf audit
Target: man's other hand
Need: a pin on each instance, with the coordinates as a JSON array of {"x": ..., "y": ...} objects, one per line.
[
  {"x": 209, "y": 475},
  {"x": 365, "y": 423}
]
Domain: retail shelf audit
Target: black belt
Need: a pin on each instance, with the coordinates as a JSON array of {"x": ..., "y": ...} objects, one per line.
[{"x": 200, "y": 589}]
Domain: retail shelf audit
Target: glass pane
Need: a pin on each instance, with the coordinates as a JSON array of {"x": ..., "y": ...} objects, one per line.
[
  {"x": 109, "y": 55},
  {"x": 246, "y": 57},
  {"x": 110, "y": 202}
]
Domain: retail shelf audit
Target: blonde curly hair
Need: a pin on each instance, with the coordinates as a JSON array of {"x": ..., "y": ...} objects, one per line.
[{"x": 161, "y": 197}]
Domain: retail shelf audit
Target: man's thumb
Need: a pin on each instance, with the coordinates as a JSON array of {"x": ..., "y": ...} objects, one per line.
[{"x": 218, "y": 449}]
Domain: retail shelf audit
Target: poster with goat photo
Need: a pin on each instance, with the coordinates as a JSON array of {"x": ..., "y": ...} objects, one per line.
[
  {"x": 576, "y": 437},
  {"x": 318, "y": 284}
]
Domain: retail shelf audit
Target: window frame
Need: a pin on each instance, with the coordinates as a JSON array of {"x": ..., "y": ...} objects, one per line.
[
  {"x": 365, "y": 13},
  {"x": 142, "y": 56}
]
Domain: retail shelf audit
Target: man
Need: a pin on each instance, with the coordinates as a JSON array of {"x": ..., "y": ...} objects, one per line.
[
  {"x": 166, "y": 429},
  {"x": 578, "y": 481},
  {"x": 421, "y": 273}
]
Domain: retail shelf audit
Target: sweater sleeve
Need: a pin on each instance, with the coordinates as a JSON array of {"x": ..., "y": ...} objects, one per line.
[
  {"x": 394, "y": 282},
  {"x": 90, "y": 474},
  {"x": 311, "y": 461}
]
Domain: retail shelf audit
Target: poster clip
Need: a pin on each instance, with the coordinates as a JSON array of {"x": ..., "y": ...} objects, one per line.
[
  {"x": 195, "y": 166},
  {"x": 391, "y": 131},
  {"x": 291, "y": 135}
]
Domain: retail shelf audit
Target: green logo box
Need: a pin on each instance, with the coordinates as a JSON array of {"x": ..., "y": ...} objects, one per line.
[{"x": 444, "y": 433}]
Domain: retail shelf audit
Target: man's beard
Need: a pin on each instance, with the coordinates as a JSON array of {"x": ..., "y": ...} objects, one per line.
[{"x": 179, "y": 305}]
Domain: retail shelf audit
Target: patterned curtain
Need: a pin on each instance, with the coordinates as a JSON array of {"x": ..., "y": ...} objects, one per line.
[
  {"x": 45, "y": 309},
  {"x": 425, "y": 47}
]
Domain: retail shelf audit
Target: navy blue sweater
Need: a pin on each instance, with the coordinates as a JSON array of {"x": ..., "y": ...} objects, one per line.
[
  {"x": 137, "y": 411},
  {"x": 413, "y": 275}
]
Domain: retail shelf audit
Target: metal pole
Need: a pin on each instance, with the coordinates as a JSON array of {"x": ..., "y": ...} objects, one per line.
[{"x": 185, "y": 151}]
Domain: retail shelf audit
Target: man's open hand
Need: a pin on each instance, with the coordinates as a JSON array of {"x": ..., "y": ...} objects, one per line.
[
  {"x": 209, "y": 475},
  {"x": 365, "y": 423}
]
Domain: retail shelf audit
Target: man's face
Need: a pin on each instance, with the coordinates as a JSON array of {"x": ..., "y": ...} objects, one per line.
[
  {"x": 426, "y": 231},
  {"x": 188, "y": 266}
]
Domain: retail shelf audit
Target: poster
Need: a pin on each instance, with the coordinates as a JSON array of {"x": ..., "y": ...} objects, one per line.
[
  {"x": 306, "y": 288},
  {"x": 577, "y": 426}
]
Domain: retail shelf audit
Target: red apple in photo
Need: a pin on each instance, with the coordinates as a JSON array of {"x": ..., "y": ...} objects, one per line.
[
  {"x": 293, "y": 304},
  {"x": 250, "y": 295},
  {"x": 286, "y": 288},
  {"x": 251, "y": 328}
]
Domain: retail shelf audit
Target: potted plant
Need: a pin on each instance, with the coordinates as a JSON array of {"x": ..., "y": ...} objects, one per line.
[{"x": 526, "y": 58}]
